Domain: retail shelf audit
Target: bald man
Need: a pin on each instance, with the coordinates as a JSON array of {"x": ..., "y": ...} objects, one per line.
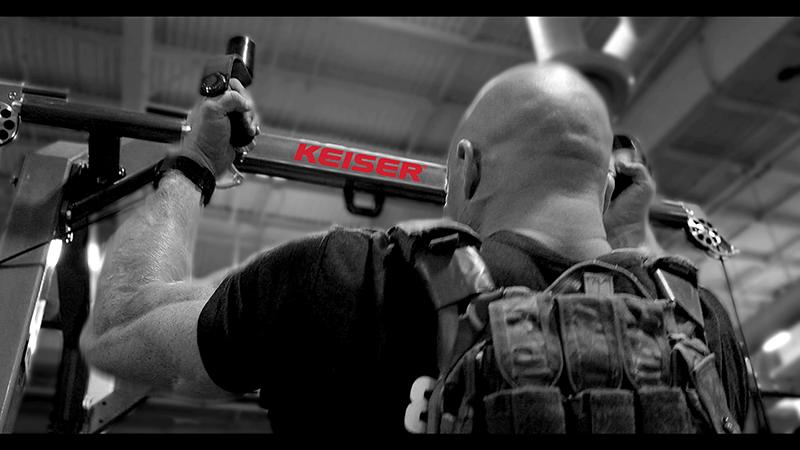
[{"x": 301, "y": 323}]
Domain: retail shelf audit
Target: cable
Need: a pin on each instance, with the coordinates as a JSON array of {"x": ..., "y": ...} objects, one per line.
[
  {"x": 81, "y": 227},
  {"x": 762, "y": 416}
]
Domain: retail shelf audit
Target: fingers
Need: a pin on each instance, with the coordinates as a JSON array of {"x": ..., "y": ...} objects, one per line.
[
  {"x": 232, "y": 101},
  {"x": 635, "y": 170}
]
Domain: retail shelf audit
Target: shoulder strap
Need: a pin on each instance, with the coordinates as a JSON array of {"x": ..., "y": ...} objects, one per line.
[
  {"x": 676, "y": 279},
  {"x": 445, "y": 255}
]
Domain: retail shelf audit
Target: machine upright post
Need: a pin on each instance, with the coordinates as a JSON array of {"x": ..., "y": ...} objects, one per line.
[
  {"x": 33, "y": 221},
  {"x": 69, "y": 415}
]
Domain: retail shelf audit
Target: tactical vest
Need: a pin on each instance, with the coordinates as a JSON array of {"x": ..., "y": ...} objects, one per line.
[{"x": 592, "y": 353}]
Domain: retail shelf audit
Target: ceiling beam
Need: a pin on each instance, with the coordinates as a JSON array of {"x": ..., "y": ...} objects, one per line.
[
  {"x": 768, "y": 216},
  {"x": 727, "y": 45},
  {"x": 752, "y": 107},
  {"x": 442, "y": 37},
  {"x": 268, "y": 71},
  {"x": 661, "y": 55},
  {"x": 686, "y": 156},
  {"x": 191, "y": 58},
  {"x": 322, "y": 50},
  {"x": 137, "y": 55},
  {"x": 444, "y": 87},
  {"x": 739, "y": 212},
  {"x": 769, "y": 258}
]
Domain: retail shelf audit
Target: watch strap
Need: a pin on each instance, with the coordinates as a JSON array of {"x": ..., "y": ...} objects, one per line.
[{"x": 201, "y": 176}]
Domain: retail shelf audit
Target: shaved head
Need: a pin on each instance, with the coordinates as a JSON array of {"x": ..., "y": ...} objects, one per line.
[{"x": 535, "y": 133}]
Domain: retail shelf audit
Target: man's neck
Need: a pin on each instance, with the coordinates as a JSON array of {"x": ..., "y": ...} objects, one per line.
[{"x": 568, "y": 226}]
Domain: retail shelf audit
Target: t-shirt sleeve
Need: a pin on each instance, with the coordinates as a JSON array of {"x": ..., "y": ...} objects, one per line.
[
  {"x": 247, "y": 308},
  {"x": 300, "y": 295}
]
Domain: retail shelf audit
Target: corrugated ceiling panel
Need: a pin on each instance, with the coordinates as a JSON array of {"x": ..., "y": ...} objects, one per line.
[
  {"x": 791, "y": 207},
  {"x": 759, "y": 81},
  {"x": 302, "y": 45},
  {"x": 722, "y": 133},
  {"x": 762, "y": 193},
  {"x": 763, "y": 238},
  {"x": 453, "y": 25},
  {"x": 511, "y": 31},
  {"x": 711, "y": 269},
  {"x": 10, "y": 63},
  {"x": 792, "y": 160},
  {"x": 76, "y": 60},
  {"x": 397, "y": 62},
  {"x": 766, "y": 280},
  {"x": 790, "y": 253},
  {"x": 727, "y": 224},
  {"x": 292, "y": 103},
  {"x": 175, "y": 81},
  {"x": 675, "y": 179},
  {"x": 474, "y": 73},
  {"x": 202, "y": 34},
  {"x": 357, "y": 115},
  {"x": 107, "y": 25},
  {"x": 436, "y": 138}
]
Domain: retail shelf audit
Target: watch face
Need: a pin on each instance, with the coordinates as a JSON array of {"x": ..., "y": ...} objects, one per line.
[{"x": 214, "y": 85}]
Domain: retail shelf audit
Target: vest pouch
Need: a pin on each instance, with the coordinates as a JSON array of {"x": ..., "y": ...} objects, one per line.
[
  {"x": 527, "y": 347},
  {"x": 663, "y": 410},
  {"x": 592, "y": 339},
  {"x": 525, "y": 410},
  {"x": 602, "y": 411}
]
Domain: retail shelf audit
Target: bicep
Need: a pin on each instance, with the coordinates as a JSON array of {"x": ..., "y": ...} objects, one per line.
[{"x": 160, "y": 347}]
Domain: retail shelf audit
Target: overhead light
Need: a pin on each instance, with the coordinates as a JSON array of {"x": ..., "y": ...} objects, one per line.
[
  {"x": 53, "y": 253},
  {"x": 93, "y": 257},
  {"x": 777, "y": 341}
]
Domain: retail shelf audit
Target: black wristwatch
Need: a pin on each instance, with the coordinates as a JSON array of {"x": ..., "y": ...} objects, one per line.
[{"x": 196, "y": 173}]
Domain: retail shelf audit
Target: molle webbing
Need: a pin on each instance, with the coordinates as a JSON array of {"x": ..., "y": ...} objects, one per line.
[{"x": 580, "y": 357}]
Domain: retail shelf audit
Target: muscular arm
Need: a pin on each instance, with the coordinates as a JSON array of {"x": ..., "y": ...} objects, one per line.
[{"x": 143, "y": 325}]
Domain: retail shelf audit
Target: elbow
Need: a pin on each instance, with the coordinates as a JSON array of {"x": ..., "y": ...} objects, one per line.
[
  {"x": 88, "y": 343},
  {"x": 93, "y": 347}
]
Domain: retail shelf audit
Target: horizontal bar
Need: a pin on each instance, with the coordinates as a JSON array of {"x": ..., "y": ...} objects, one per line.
[
  {"x": 297, "y": 159},
  {"x": 336, "y": 166},
  {"x": 45, "y": 92},
  {"x": 60, "y": 113},
  {"x": 288, "y": 158},
  {"x": 83, "y": 208}
]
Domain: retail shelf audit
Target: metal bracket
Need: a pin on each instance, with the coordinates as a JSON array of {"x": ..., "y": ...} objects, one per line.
[
  {"x": 375, "y": 211},
  {"x": 10, "y": 97},
  {"x": 703, "y": 235},
  {"x": 115, "y": 406}
]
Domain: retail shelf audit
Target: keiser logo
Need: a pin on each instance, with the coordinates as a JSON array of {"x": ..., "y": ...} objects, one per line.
[{"x": 343, "y": 159}]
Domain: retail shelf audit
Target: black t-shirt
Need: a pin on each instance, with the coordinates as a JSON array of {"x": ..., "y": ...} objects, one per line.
[{"x": 303, "y": 324}]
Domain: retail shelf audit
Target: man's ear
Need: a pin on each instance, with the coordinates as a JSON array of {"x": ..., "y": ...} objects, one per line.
[{"x": 471, "y": 167}]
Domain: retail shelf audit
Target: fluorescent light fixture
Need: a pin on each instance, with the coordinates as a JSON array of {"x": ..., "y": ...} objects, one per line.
[
  {"x": 777, "y": 341},
  {"x": 53, "y": 253},
  {"x": 93, "y": 257}
]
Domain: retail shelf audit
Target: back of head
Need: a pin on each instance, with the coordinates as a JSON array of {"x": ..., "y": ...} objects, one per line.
[{"x": 534, "y": 131}]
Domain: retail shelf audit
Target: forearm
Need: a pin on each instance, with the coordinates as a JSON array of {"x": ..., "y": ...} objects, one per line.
[{"x": 152, "y": 247}]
